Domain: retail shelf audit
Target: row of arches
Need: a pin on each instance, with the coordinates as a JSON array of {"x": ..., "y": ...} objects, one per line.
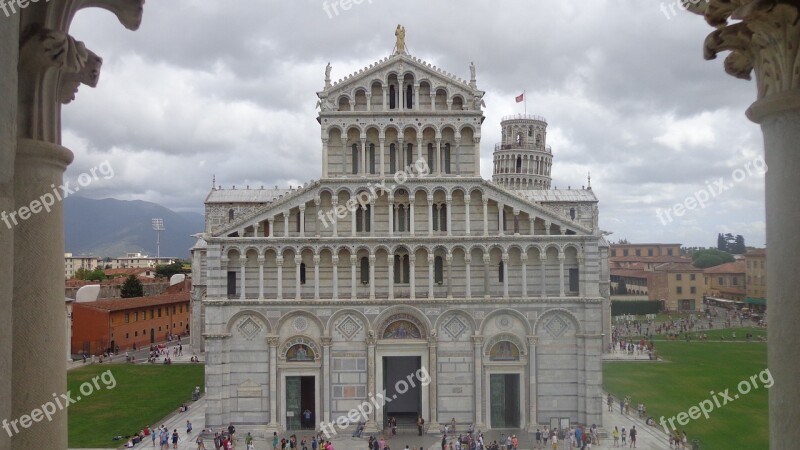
[
  {"x": 397, "y": 93},
  {"x": 523, "y": 164},
  {"x": 511, "y": 182},
  {"x": 401, "y": 271}
]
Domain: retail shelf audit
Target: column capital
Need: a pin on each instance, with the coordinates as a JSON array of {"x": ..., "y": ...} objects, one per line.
[
  {"x": 763, "y": 38},
  {"x": 353, "y": 259},
  {"x": 302, "y": 207},
  {"x": 449, "y": 258},
  {"x": 486, "y": 258},
  {"x": 335, "y": 260},
  {"x": 430, "y": 258},
  {"x": 273, "y": 341},
  {"x": 523, "y": 257},
  {"x": 505, "y": 257},
  {"x": 316, "y": 260},
  {"x": 327, "y": 341},
  {"x": 561, "y": 256},
  {"x": 542, "y": 257},
  {"x": 372, "y": 258},
  {"x": 279, "y": 260},
  {"x": 261, "y": 259},
  {"x": 466, "y": 199},
  {"x": 467, "y": 259},
  {"x": 485, "y": 201},
  {"x": 390, "y": 260},
  {"x": 448, "y": 198},
  {"x": 533, "y": 340},
  {"x": 477, "y": 340}
]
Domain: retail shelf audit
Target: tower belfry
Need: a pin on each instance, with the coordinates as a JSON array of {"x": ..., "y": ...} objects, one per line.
[{"x": 523, "y": 159}]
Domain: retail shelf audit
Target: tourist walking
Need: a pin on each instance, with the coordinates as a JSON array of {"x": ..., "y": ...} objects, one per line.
[
  {"x": 615, "y": 435},
  {"x": 633, "y": 436}
]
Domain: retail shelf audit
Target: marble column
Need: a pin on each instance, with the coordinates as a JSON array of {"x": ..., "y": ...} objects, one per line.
[
  {"x": 458, "y": 155},
  {"x": 547, "y": 227},
  {"x": 371, "y": 218},
  {"x": 477, "y": 343},
  {"x": 371, "y": 423},
  {"x": 335, "y": 277},
  {"x": 420, "y": 156},
  {"x": 486, "y": 292},
  {"x": 561, "y": 274},
  {"x": 412, "y": 276},
  {"x": 485, "y": 216},
  {"x": 500, "y": 221},
  {"x": 335, "y": 216},
  {"x": 411, "y": 214},
  {"x": 415, "y": 106},
  {"x": 390, "y": 260},
  {"x": 372, "y": 260},
  {"x": 532, "y": 391},
  {"x": 542, "y": 271},
  {"x": 433, "y": 369},
  {"x": 353, "y": 218},
  {"x": 324, "y": 157},
  {"x": 449, "y": 260},
  {"x": 363, "y": 158},
  {"x": 430, "y": 216},
  {"x": 317, "y": 225},
  {"x": 438, "y": 162},
  {"x": 261, "y": 277},
  {"x": 506, "y": 274},
  {"x": 763, "y": 38},
  {"x": 279, "y": 263},
  {"x": 316, "y": 277},
  {"x": 449, "y": 202},
  {"x": 297, "y": 286},
  {"x": 524, "y": 258},
  {"x": 302, "y": 220},
  {"x": 243, "y": 269},
  {"x": 327, "y": 341},
  {"x": 391, "y": 215},
  {"x": 353, "y": 285},
  {"x": 466, "y": 213},
  {"x": 431, "y": 283},
  {"x": 382, "y": 141},
  {"x": 274, "y": 423},
  {"x": 468, "y": 263}
]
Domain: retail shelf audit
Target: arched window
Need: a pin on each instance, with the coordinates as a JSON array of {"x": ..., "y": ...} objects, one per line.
[
  {"x": 362, "y": 219},
  {"x": 501, "y": 271},
  {"x": 446, "y": 157},
  {"x": 392, "y": 97},
  {"x": 530, "y": 132},
  {"x": 355, "y": 158},
  {"x": 410, "y": 155},
  {"x": 430, "y": 158},
  {"x": 409, "y": 97},
  {"x": 297, "y": 224},
  {"x": 230, "y": 215},
  {"x": 519, "y": 164},
  {"x": 302, "y": 273},
  {"x": 364, "y": 270},
  {"x": 438, "y": 270},
  {"x": 372, "y": 158},
  {"x": 400, "y": 220},
  {"x": 572, "y": 213},
  {"x": 392, "y": 159},
  {"x": 439, "y": 212}
]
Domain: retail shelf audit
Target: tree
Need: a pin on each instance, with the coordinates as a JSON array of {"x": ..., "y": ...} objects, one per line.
[
  {"x": 710, "y": 257},
  {"x": 132, "y": 287},
  {"x": 623, "y": 241},
  {"x": 168, "y": 270},
  {"x": 81, "y": 273},
  {"x": 721, "y": 244},
  {"x": 95, "y": 275},
  {"x": 738, "y": 247}
]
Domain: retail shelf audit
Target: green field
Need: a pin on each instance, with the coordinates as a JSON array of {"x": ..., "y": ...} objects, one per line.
[
  {"x": 692, "y": 370},
  {"x": 143, "y": 395}
]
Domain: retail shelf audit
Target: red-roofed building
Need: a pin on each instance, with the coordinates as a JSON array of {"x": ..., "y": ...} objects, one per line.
[
  {"x": 726, "y": 281},
  {"x": 128, "y": 322}
]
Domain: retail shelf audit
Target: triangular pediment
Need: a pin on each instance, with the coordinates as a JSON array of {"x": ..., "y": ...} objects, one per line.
[{"x": 400, "y": 63}]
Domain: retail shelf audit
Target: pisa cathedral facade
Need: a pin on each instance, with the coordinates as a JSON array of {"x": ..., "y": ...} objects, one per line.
[{"x": 400, "y": 258}]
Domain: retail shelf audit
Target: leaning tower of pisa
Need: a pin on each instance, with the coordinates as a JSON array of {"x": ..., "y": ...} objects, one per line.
[{"x": 523, "y": 159}]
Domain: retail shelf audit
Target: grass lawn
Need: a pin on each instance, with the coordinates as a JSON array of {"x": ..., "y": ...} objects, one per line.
[
  {"x": 692, "y": 371},
  {"x": 143, "y": 395}
]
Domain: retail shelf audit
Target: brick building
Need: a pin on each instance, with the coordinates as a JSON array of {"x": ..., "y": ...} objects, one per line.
[
  {"x": 125, "y": 322},
  {"x": 726, "y": 281}
]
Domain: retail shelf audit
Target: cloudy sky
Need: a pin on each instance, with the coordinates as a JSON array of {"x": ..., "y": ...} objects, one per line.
[{"x": 227, "y": 88}]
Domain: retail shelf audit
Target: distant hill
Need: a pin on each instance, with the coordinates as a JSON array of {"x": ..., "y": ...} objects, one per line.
[{"x": 112, "y": 227}]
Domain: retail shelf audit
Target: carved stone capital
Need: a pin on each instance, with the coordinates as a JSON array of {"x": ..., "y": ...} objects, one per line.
[{"x": 764, "y": 39}]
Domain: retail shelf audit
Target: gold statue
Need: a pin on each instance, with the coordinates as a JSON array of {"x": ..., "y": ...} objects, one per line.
[{"x": 400, "y": 33}]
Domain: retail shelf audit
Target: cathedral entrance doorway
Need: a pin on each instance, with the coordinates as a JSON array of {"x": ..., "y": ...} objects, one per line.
[
  {"x": 403, "y": 390},
  {"x": 300, "y": 402},
  {"x": 504, "y": 400}
]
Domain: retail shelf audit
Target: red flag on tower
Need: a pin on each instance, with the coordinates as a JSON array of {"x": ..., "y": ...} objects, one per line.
[{"x": 520, "y": 97}]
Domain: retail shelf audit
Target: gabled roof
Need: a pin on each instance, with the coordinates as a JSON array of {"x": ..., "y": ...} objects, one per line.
[
  {"x": 435, "y": 72},
  {"x": 733, "y": 267}
]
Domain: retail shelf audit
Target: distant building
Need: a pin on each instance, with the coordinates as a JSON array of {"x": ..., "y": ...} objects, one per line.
[
  {"x": 756, "y": 282},
  {"x": 141, "y": 321},
  {"x": 73, "y": 263},
  {"x": 620, "y": 250},
  {"x": 679, "y": 286},
  {"x": 726, "y": 281},
  {"x": 139, "y": 260}
]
